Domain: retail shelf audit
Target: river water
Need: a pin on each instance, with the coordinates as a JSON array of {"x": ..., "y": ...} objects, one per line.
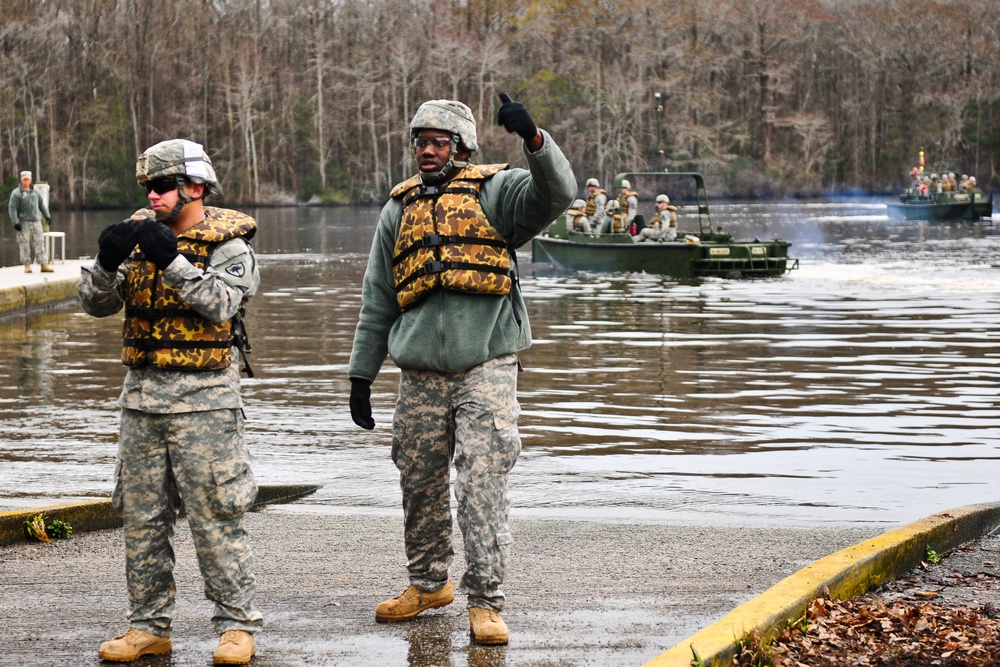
[{"x": 860, "y": 389}]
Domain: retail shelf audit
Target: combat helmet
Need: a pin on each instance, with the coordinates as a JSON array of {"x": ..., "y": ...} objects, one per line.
[
  {"x": 594, "y": 182},
  {"x": 447, "y": 116},
  {"x": 183, "y": 160},
  {"x": 662, "y": 199}
]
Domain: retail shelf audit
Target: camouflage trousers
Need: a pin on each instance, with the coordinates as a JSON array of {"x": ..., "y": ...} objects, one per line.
[
  {"x": 197, "y": 461},
  {"x": 30, "y": 243},
  {"x": 469, "y": 418}
]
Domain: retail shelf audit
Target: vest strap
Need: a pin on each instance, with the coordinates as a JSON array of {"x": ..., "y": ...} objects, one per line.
[
  {"x": 433, "y": 240},
  {"x": 438, "y": 267},
  {"x": 149, "y": 344}
]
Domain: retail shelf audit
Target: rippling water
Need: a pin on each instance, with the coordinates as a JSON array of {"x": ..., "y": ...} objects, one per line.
[{"x": 861, "y": 388}]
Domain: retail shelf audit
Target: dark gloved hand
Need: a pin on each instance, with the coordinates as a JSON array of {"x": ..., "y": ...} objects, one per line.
[
  {"x": 158, "y": 243},
  {"x": 515, "y": 118},
  {"x": 361, "y": 403},
  {"x": 17, "y": 227},
  {"x": 115, "y": 243}
]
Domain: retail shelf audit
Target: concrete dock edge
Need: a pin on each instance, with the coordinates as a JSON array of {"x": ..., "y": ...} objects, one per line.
[
  {"x": 845, "y": 574},
  {"x": 22, "y": 293},
  {"x": 90, "y": 515},
  {"x": 82, "y": 516}
]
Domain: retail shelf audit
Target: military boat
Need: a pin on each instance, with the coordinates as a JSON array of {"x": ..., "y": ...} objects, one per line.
[
  {"x": 705, "y": 253},
  {"x": 942, "y": 207}
]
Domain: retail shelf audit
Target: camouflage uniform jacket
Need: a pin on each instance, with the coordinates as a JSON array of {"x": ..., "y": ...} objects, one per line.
[
  {"x": 27, "y": 205},
  {"x": 455, "y": 331},
  {"x": 214, "y": 293}
]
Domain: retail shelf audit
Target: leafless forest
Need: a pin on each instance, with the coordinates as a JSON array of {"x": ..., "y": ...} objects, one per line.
[{"x": 303, "y": 98}]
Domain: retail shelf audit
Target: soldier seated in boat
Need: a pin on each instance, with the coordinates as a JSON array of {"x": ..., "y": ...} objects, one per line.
[
  {"x": 576, "y": 217},
  {"x": 977, "y": 194},
  {"x": 662, "y": 226},
  {"x": 615, "y": 222}
]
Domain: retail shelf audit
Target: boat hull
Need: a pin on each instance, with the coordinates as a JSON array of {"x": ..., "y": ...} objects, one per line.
[
  {"x": 968, "y": 210},
  {"x": 677, "y": 259}
]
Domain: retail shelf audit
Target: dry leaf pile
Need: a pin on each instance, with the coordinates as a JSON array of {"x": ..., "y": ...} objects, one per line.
[{"x": 869, "y": 631}]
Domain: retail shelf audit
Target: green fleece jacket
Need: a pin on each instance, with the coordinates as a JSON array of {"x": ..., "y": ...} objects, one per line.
[
  {"x": 25, "y": 205},
  {"x": 453, "y": 331}
]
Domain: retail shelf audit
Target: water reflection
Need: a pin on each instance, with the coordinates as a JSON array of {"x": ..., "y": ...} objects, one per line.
[{"x": 860, "y": 388}]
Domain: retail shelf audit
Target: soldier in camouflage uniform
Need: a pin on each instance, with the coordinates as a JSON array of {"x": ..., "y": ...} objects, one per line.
[
  {"x": 183, "y": 272},
  {"x": 441, "y": 299},
  {"x": 28, "y": 211}
]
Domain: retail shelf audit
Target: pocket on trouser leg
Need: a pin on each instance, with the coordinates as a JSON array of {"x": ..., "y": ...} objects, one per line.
[
  {"x": 504, "y": 541},
  {"x": 118, "y": 495},
  {"x": 506, "y": 440},
  {"x": 235, "y": 485}
]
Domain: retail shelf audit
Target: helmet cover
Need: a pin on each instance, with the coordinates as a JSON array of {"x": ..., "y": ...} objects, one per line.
[
  {"x": 177, "y": 157},
  {"x": 447, "y": 116}
]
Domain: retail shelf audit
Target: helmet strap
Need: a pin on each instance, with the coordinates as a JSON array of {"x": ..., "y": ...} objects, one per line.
[{"x": 182, "y": 200}]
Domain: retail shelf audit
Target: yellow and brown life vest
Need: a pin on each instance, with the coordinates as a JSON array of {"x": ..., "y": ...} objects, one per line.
[
  {"x": 445, "y": 240},
  {"x": 591, "y": 208},
  {"x": 160, "y": 329},
  {"x": 623, "y": 200},
  {"x": 576, "y": 218}
]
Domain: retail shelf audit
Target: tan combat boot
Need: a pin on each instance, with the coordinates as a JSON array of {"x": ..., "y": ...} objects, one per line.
[
  {"x": 235, "y": 648},
  {"x": 411, "y": 602},
  {"x": 487, "y": 627},
  {"x": 47, "y": 269},
  {"x": 132, "y": 645},
  {"x": 27, "y": 268}
]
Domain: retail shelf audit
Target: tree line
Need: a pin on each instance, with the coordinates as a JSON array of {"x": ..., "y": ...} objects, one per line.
[{"x": 301, "y": 99}]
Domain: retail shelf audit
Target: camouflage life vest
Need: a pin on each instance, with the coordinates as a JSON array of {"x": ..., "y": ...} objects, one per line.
[
  {"x": 591, "y": 208},
  {"x": 159, "y": 328},
  {"x": 618, "y": 223},
  {"x": 623, "y": 200},
  {"x": 446, "y": 241},
  {"x": 576, "y": 218}
]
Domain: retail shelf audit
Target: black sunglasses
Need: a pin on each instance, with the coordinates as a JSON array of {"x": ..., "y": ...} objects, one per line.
[{"x": 160, "y": 186}]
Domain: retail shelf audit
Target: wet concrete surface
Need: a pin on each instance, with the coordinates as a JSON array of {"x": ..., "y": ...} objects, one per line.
[
  {"x": 966, "y": 577},
  {"x": 578, "y": 592}
]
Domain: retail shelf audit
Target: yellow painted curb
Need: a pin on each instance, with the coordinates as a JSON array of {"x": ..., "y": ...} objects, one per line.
[{"x": 844, "y": 574}]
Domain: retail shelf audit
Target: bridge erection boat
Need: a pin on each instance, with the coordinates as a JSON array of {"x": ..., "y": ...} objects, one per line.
[{"x": 694, "y": 254}]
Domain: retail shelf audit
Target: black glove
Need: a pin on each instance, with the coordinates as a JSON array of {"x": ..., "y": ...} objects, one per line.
[
  {"x": 115, "y": 243},
  {"x": 515, "y": 118},
  {"x": 17, "y": 227},
  {"x": 361, "y": 403},
  {"x": 158, "y": 243}
]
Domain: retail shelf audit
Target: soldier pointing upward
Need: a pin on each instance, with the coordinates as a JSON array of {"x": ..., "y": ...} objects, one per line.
[{"x": 440, "y": 297}]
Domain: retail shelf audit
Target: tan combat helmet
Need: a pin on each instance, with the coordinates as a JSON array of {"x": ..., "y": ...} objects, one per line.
[
  {"x": 179, "y": 158},
  {"x": 447, "y": 116}
]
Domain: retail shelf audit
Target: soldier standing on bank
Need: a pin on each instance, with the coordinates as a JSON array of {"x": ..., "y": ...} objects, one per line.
[
  {"x": 181, "y": 439},
  {"x": 440, "y": 297},
  {"x": 27, "y": 210}
]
